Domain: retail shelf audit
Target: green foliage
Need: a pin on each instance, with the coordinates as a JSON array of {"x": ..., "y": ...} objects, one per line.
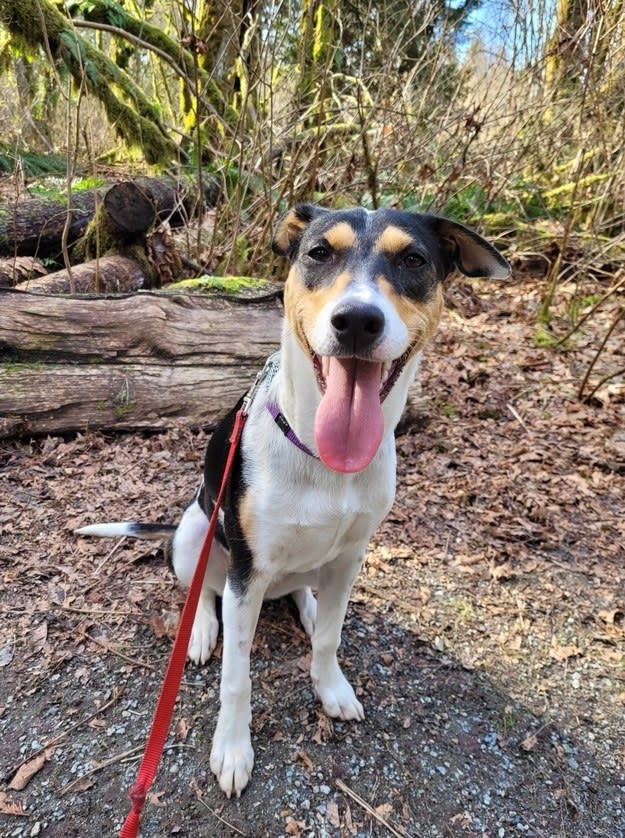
[
  {"x": 57, "y": 190},
  {"x": 45, "y": 189},
  {"x": 543, "y": 337},
  {"x": 32, "y": 164},
  {"x": 84, "y": 184}
]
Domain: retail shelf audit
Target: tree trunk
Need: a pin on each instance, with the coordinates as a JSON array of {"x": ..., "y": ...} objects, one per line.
[
  {"x": 565, "y": 60},
  {"x": 39, "y": 23},
  {"x": 143, "y": 361},
  {"x": 34, "y": 227}
]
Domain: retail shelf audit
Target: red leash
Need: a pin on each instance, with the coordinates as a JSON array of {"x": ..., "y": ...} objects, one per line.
[{"x": 171, "y": 684}]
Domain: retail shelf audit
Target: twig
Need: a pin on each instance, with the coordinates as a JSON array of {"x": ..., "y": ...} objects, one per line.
[
  {"x": 591, "y": 311},
  {"x": 384, "y": 595},
  {"x": 118, "y": 758},
  {"x": 219, "y": 818},
  {"x": 580, "y": 392},
  {"x": 134, "y": 39},
  {"x": 368, "y": 808},
  {"x": 109, "y": 556},
  {"x": 518, "y": 417},
  {"x": 117, "y": 694},
  {"x": 109, "y": 648},
  {"x": 95, "y": 613},
  {"x": 125, "y": 756},
  {"x": 603, "y": 381}
]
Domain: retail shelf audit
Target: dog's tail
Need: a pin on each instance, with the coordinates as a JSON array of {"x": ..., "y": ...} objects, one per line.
[{"x": 132, "y": 529}]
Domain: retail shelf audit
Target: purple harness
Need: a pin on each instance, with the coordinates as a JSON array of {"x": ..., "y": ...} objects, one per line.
[{"x": 287, "y": 430}]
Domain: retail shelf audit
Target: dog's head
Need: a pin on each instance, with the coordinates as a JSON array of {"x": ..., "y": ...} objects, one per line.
[{"x": 363, "y": 296}]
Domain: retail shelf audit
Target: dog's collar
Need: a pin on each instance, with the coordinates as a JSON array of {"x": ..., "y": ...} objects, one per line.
[
  {"x": 266, "y": 376},
  {"x": 281, "y": 421}
]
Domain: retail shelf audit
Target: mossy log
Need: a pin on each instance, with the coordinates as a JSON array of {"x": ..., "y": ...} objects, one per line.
[
  {"x": 34, "y": 226},
  {"x": 141, "y": 361}
]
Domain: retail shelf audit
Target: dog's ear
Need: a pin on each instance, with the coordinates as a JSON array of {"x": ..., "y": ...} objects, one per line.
[
  {"x": 470, "y": 253},
  {"x": 291, "y": 227}
]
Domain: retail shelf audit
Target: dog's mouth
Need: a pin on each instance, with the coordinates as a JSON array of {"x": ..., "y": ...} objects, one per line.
[
  {"x": 389, "y": 371},
  {"x": 349, "y": 424}
]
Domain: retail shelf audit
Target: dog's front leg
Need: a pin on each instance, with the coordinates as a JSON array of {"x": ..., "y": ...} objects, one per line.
[
  {"x": 333, "y": 688},
  {"x": 232, "y": 756}
]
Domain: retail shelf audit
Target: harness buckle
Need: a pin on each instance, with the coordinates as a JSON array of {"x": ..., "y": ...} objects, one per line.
[{"x": 268, "y": 372}]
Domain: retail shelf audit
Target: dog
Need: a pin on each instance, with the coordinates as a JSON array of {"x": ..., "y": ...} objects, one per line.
[{"x": 314, "y": 474}]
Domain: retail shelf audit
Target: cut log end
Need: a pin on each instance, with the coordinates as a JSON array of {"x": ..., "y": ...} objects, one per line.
[{"x": 130, "y": 207}]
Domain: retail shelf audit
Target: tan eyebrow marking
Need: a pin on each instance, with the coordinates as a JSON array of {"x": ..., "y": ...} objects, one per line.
[
  {"x": 393, "y": 240},
  {"x": 341, "y": 236}
]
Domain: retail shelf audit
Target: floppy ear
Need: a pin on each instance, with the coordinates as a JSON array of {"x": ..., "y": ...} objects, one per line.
[
  {"x": 291, "y": 227},
  {"x": 470, "y": 253}
]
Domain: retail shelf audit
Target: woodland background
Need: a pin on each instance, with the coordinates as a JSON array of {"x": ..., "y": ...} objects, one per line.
[{"x": 505, "y": 115}]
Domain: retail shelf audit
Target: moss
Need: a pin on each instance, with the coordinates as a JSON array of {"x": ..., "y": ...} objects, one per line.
[
  {"x": 220, "y": 284},
  {"x": 122, "y": 403},
  {"x": 449, "y": 410},
  {"x": 464, "y": 609},
  {"x": 20, "y": 366},
  {"x": 38, "y": 21},
  {"x": 84, "y": 184},
  {"x": 543, "y": 337}
]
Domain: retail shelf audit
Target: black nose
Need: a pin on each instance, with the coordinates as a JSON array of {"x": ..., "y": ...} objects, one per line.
[{"x": 357, "y": 326}]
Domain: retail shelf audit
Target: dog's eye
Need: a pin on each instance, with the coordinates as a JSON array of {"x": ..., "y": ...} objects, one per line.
[
  {"x": 413, "y": 260},
  {"x": 320, "y": 253}
]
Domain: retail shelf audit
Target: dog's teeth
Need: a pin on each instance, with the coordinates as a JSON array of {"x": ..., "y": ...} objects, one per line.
[{"x": 325, "y": 366}]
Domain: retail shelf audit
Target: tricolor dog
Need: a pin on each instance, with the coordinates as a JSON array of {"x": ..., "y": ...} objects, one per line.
[{"x": 315, "y": 472}]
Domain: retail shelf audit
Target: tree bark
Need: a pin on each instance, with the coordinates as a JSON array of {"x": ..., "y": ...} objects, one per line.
[
  {"x": 19, "y": 269},
  {"x": 112, "y": 274},
  {"x": 34, "y": 226},
  {"x": 143, "y": 361}
]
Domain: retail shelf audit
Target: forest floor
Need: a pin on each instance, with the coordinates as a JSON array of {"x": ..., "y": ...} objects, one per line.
[{"x": 486, "y": 634}]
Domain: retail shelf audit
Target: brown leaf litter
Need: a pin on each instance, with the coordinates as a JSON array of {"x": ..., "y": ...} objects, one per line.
[{"x": 486, "y": 636}]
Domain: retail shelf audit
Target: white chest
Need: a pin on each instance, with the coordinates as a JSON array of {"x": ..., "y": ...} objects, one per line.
[{"x": 303, "y": 518}]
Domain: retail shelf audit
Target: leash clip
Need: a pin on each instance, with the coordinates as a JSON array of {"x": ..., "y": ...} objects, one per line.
[{"x": 268, "y": 372}]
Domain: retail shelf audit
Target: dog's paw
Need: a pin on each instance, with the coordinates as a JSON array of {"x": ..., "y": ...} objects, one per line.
[
  {"x": 307, "y": 608},
  {"x": 232, "y": 760},
  {"x": 338, "y": 697},
  {"x": 203, "y": 635}
]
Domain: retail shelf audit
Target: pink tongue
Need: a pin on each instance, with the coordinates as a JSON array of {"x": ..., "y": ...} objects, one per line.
[{"x": 349, "y": 424}]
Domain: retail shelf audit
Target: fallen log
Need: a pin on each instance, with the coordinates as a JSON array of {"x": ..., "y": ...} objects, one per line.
[
  {"x": 141, "y": 361},
  {"x": 19, "y": 269},
  {"x": 109, "y": 275},
  {"x": 147, "y": 262},
  {"x": 34, "y": 226}
]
